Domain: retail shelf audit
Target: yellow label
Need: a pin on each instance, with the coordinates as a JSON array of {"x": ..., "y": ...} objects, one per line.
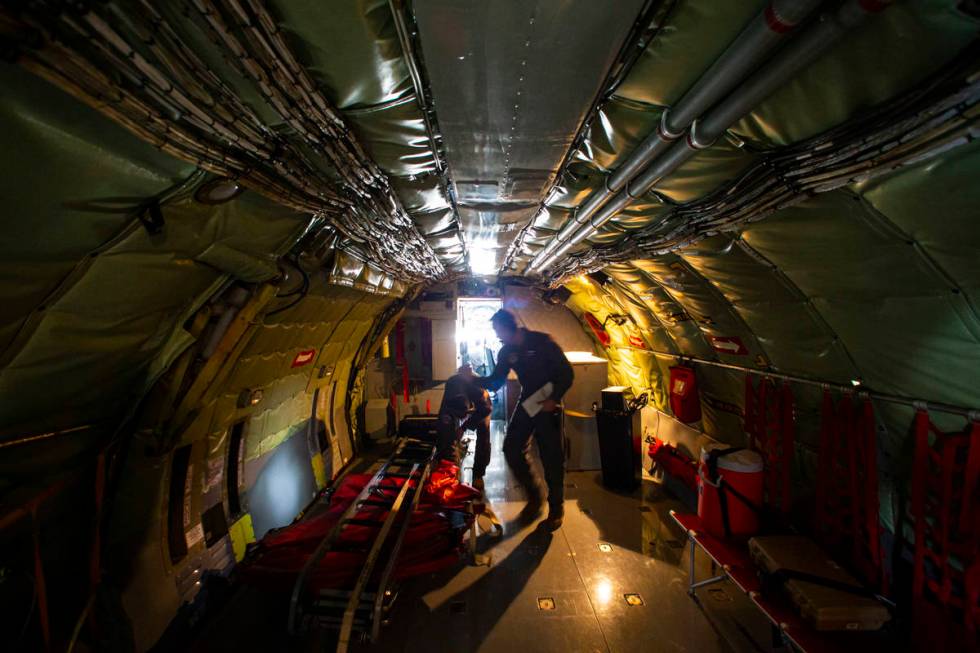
[
  {"x": 241, "y": 533},
  {"x": 319, "y": 470}
]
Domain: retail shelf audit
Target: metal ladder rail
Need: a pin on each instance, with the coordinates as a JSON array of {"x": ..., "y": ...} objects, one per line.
[
  {"x": 331, "y": 538},
  {"x": 382, "y": 590},
  {"x": 347, "y": 624}
]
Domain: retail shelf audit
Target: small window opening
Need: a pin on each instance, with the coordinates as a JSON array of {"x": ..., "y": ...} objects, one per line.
[
  {"x": 235, "y": 454},
  {"x": 319, "y": 426},
  {"x": 177, "y": 513}
]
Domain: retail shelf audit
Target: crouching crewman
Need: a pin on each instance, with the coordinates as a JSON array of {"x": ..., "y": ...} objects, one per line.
[{"x": 466, "y": 406}]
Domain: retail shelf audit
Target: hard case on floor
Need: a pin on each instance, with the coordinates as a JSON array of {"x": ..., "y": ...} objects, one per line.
[
  {"x": 619, "y": 431},
  {"x": 826, "y": 608},
  {"x": 423, "y": 427}
]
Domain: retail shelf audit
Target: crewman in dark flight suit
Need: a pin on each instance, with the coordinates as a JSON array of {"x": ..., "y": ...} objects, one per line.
[
  {"x": 465, "y": 400},
  {"x": 537, "y": 360}
]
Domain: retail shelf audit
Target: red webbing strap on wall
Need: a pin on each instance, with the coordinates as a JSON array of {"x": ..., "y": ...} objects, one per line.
[
  {"x": 30, "y": 509},
  {"x": 405, "y": 382},
  {"x": 871, "y": 538},
  {"x": 846, "y": 444},
  {"x": 825, "y": 462},
  {"x": 836, "y": 480},
  {"x": 847, "y": 514},
  {"x": 970, "y": 506},
  {"x": 770, "y": 427},
  {"x": 944, "y": 508},
  {"x": 787, "y": 427},
  {"x": 972, "y": 590},
  {"x": 920, "y": 468}
]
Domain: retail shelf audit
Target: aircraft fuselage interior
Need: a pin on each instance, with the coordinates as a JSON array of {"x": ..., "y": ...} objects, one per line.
[{"x": 586, "y": 326}]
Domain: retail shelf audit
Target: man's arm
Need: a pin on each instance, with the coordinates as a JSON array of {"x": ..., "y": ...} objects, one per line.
[
  {"x": 496, "y": 379},
  {"x": 562, "y": 372}
]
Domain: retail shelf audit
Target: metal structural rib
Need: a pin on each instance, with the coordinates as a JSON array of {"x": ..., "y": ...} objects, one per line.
[{"x": 664, "y": 152}]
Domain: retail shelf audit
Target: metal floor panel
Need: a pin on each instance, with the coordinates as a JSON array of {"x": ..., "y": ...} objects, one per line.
[
  {"x": 668, "y": 620},
  {"x": 496, "y": 608}
]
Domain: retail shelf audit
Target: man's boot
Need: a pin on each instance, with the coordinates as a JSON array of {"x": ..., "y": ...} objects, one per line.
[
  {"x": 535, "y": 501},
  {"x": 556, "y": 515}
]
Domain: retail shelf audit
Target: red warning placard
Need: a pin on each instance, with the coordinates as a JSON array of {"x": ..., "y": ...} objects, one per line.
[{"x": 304, "y": 357}]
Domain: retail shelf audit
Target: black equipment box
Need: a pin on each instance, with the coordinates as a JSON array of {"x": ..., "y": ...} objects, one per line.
[
  {"x": 616, "y": 397},
  {"x": 618, "y": 449},
  {"x": 421, "y": 427}
]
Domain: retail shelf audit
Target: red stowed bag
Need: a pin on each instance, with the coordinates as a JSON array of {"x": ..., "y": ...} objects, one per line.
[{"x": 685, "y": 401}]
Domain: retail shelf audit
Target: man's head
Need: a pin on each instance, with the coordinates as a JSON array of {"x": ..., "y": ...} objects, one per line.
[{"x": 505, "y": 326}]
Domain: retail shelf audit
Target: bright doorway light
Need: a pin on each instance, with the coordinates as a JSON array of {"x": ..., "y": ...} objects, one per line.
[
  {"x": 483, "y": 258},
  {"x": 476, "y": 342}
]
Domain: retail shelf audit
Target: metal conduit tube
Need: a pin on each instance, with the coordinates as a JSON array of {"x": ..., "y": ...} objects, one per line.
[
  {"x": 826, "y": 31},
  {"x": 766, "y": 30},
  {"x": 894, "y": 399}
]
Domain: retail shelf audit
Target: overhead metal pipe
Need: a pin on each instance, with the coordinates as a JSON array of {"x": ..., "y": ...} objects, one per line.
[
  {"x": 803, "y": 50},
  {"x": 766, "y": 31}
]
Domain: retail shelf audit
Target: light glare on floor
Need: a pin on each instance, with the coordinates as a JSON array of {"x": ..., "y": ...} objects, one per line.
[{"x": 603, "y": 591}]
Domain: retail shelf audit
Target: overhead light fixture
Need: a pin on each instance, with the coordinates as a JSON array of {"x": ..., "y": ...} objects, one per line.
[
  {"x": 856, "y": 382},
  {"x": 483, "y": 259},
  {"x": 249, "y": 398},
  {"x": 218, "y": 191}
]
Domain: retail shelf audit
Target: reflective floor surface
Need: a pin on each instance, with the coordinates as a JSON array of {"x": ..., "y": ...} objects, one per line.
[{"x": 612, "y": 579}]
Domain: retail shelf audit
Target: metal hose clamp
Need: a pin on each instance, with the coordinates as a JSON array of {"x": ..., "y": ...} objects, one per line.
[{"x": 694, "y": 142}]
